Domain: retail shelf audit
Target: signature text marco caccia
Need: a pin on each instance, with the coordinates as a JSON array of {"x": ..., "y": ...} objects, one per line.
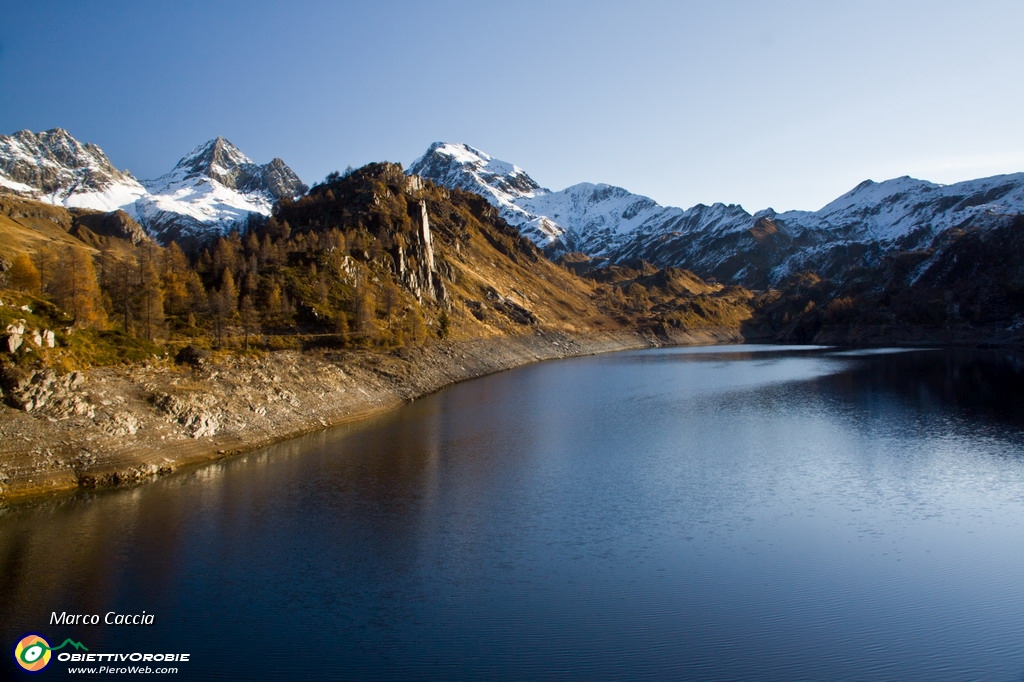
[{"x": 110, "y": 618}]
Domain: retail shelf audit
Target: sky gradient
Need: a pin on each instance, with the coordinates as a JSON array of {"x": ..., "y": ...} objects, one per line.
[{"x": 781, "y": 104}]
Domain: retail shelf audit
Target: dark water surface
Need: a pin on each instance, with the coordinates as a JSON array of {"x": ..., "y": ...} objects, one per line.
[{"x": 713, "y": 513}]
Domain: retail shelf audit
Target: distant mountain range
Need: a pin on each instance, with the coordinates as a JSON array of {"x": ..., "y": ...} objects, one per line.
[
  {"x": 212, "y": 190},
  {"x": 612, "y": 225},
  {"x": 215, "y": 187}
]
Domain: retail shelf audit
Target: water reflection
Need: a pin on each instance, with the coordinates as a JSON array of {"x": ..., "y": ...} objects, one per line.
[{"x": 980, "y": 385}]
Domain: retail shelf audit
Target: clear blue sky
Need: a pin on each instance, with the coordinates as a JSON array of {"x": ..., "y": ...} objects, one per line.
[{"x": 783, "y": 104}]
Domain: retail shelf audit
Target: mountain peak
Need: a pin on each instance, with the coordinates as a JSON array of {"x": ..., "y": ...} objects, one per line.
[
  {"x": 460, "y": 152},
  {"x": 475, "y": 171},
  {"x": 53, "y": 133},
  {"x": 55, "y": 167},
  {"x": 220, "y": 160},
  {"x": 217, "y": 159},
  {"x": 870, "y": 193},
  {"x": 504, "y": 185},
  {"x": 213, "y": 188}
]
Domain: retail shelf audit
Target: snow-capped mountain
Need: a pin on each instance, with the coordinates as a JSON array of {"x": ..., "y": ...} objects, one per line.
[
  {"x": 460, "y": 166},
  {"x": 54, "y": 167},
  {"x": 725, "y": 241},
  {"x": 214, "y": 187},
  {"x": 210, "y": 191},
  {"x": 596, "y": 219},
  {"x": 903, "y": 214}
]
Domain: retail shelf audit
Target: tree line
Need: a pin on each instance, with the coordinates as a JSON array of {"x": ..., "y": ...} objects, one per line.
[{"x": 245, "y": 288}]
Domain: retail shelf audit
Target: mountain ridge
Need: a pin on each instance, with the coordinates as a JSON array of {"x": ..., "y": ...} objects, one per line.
[
  {"x": 724, "y": 241},
  {"x": 210, "y": 191},
  {"x": 215, "y": 188}
]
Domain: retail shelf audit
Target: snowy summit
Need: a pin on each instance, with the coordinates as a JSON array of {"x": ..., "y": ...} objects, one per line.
[{"x": 212, "y": 190}]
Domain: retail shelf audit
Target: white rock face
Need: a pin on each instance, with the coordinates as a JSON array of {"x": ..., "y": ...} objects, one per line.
[{"x": 428, "y": 246}]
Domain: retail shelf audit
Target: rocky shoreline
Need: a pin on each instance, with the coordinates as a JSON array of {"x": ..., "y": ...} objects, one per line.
[{"x": 113, "y": 426}]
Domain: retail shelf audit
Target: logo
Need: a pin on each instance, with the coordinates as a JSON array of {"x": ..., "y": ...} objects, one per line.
[{"x": 33, "y": 652}]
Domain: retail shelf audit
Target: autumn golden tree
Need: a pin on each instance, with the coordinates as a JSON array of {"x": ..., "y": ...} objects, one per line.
[
  {"x": 76, "y": 289},
  {"x": 23, "y": 275},
  {"x": 227, "y": 253},
  {"x": 47, "y": 262},
  {"x": 118, "y": 283},
  {"x": 151, "y": 298},
  {"x": 273, "y": 302},
  {"x": 416, "y": 328},
  {"x": 249, "y": 317},
  {"x": 364, "y": 307},
  {"x": 174, "y": 278},
  {"x": 224, "y": 303}
]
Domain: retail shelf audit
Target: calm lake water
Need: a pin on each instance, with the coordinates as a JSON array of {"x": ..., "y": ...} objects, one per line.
[{"x": 749, "y": 512}]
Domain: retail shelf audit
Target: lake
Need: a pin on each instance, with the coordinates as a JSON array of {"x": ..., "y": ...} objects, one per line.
[{"x": 739, "y": 512}]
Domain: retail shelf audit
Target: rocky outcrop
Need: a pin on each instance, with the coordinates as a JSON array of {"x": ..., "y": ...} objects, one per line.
[
  {"x": 423, "y": 280},
  {"x": 507, "y": 306},
  {"x": 274, "y": 178},
  {"x": 114, "y": 224},
  {"x": 17, "y": 337},
  {"x": 428, "y": 248},
  {"x": 198, "y": 415},
  {"x": 45, "y": 392}
]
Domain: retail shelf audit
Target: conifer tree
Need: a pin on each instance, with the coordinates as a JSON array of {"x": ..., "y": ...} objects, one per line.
[
  {"x": 251, "y": 243},
  {"x": 227, "y": 253},
  {"x": 24, "y": 275},
  {"x": 198, "y": 301},
  {"x": 46, "y": 262},
  {"x": 224, "y": 303},
  {"x": 228, "y": 291},
  {"x": 119, "y": 286},
  {"x": 341, "y": 326},
  {"x": 416, "y": 333},
  {"x": 365, "y": 309},
  {"x": 391, "y": 301},
  {"x": 273, "y": 305},
  {"x": 151, "y": 299},
  {"x": 249, "y": 318},
  {"x": 76, "y": 289},
  {"x": 174, "y": 280}
]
